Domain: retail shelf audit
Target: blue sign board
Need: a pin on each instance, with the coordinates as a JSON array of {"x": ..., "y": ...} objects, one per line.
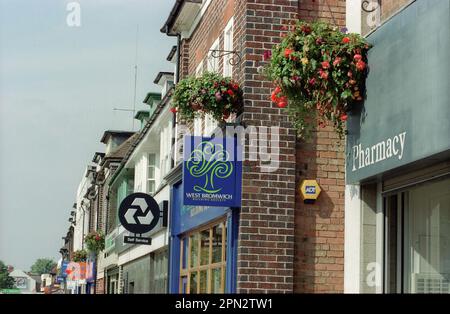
[
  {"x": 63, "y": 269},
  {"x": 212, "y": 171},
  {"x": 310, "y": 189}
]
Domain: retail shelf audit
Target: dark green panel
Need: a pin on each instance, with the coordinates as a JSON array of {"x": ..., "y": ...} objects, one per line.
[{"x": 408, "y": 92}]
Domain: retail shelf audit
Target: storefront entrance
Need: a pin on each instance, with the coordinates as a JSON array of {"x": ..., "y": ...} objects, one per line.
[{"x": 417, "y": 239}]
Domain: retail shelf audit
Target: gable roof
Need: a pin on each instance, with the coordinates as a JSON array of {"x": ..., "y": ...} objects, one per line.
[{"x": 122, "y": 149}]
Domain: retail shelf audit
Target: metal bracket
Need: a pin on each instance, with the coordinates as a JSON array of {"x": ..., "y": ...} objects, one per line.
[
  {"x": 366, "y": 3},
  {"x": 234, "y": 60}
]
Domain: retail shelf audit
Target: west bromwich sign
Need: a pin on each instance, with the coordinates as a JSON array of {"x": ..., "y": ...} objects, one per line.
[{"x": 212, "y": 171}]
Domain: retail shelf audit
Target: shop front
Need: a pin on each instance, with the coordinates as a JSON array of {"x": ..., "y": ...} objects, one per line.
[
  {"x": 398, "y": 159},
  {"x": 204, "y": 218}
]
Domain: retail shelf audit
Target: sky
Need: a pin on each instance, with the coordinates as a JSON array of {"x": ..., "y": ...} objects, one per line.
[{"x": 58, "y": 87}]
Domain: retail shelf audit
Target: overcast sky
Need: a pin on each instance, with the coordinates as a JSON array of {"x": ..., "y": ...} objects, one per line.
[{"x": 58, "y": 88}]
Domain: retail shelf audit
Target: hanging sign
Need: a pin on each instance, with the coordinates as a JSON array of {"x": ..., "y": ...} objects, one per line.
[
  {"x": 139, "y": 213},
  {"x": 212, "y": 171}
]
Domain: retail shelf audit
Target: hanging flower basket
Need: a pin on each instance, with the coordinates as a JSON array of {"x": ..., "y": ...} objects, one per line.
[
  {"x": 95, "y": 242},
  {"x": 210, "y": 93},
  {"x": 79, "y": 256},
  {"x": 319, "y": 73}
]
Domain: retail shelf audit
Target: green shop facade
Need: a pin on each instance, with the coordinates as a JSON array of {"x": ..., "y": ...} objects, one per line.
[{"x": 397, "y": 237}]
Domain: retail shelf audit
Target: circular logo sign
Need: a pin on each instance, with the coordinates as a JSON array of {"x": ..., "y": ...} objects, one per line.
[{"x": 139, "y": 213}]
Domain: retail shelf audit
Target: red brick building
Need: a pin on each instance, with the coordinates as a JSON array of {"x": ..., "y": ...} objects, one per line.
[{"x": 283, "y": 245}]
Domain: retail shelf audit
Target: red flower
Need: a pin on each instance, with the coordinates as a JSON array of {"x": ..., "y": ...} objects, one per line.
[
  {"x": 287, "y": 52},
  {"x": 235, "y": 86},
  {"x": 345, "y": 40},
  {"x": 357, "y": 57},
  {"x": 282, "y": 104},
  {"x": 216, "y": 84},
  {"x": 312, "y": 81},
  {"x": 344, "y": 117},
  {"x": 274, "y": 97},
  {"x": 360, "y": 65},
  {"x": 267, "y": 54},
  {"x": 306, "y": 29},
  {"x": 230, "y": 92},
  {"x": 325, "y": 64},
  {"x": 97, "y": 238},
  {"x": 324, "y": 75},
  {"x": 337, "y": 61},
  {"x": 277, "y": 90},
  {"x": 173, "y": 110}
]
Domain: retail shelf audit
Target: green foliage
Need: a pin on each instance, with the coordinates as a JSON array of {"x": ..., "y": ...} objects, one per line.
[
  {"x": 320, "y": 73},
  {"x": 211, "y": 93},
  {"x": 95, "y": 241},
  {"x": 79, "y": 256},
  {"x": 42, "y": 266},
  {"x": 6, "y": 281}
]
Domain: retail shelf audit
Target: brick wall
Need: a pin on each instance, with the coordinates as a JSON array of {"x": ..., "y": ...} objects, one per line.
[
  {"x": 319, "y": 236},
  {"x": 266, "y": 232}
]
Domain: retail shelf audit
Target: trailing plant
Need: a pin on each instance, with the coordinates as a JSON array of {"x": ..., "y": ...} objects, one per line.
[
  {"x": 319, "y": 74},
  {"x": 95, "y": 241},
  {"x": 210, "y": 93},
  {"x": 79, "y": 256}
]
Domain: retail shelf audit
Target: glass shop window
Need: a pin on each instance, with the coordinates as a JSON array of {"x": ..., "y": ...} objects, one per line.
[
  {"x": 203, "y": 260},
  {"x": 417, "y": 241}
]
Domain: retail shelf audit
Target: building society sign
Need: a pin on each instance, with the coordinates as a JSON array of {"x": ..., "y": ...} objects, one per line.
[{"x": 212, "y": 171}]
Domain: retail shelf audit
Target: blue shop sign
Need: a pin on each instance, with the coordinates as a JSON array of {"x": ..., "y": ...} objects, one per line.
[
  {"x": 212, "y": 171},
  {"x": 63, "y": 269}
]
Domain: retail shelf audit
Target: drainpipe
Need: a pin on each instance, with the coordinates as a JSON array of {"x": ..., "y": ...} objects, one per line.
[{"x": 174, "y": 121}]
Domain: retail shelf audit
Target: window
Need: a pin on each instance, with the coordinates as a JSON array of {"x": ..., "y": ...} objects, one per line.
[
  {"x": 165, "y": 148},
  {"x": 228, "y": 46},
  {"x": 417, "y": 241},
  {"x": 131, "y": 288},
  {"x": 213, "y": 63},
  {"x": 159, "y": 271},
  {"x": 198, "y": 121},
  {"x": 151, "y": 181},
  {"x": 203, "y": 260},
  {"x": 199, "y": 69}
]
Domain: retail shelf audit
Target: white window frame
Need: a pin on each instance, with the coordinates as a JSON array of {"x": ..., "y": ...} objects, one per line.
[
  {"x": 199, "y": 69},
  {"x": 151, "y": 179},
  {"x": 213, "y": 63},
  {"x": 228, "y": 35},
  {"x": 210, "y": 124},
  {"x": 198, "y": 121},
  {"x": 165, "y": 148}
]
